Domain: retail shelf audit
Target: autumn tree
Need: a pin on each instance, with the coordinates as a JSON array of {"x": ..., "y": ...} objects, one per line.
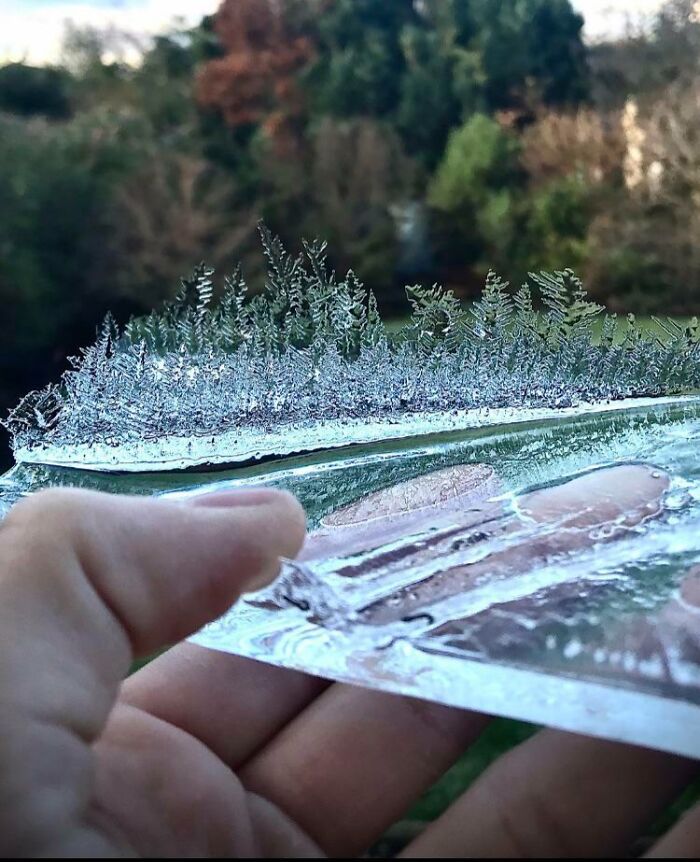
[{"x": 264, "y": 43}]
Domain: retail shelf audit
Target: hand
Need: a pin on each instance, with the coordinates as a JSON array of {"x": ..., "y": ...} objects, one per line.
[{"x": 204, "y": 754}]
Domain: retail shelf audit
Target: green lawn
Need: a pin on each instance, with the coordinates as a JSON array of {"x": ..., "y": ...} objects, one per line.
[
  {"x": 645, "y": 323},
  {"x": 499, "y": 737}
]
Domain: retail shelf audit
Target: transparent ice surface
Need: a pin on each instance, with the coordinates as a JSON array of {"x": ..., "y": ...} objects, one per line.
[{"x": 463, "y": 568}]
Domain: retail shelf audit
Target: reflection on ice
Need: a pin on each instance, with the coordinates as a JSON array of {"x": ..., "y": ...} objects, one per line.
[{"x": 586, "y": 586}]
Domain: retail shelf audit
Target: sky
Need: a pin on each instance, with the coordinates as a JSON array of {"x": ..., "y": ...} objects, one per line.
[{"x": 32, "y": 29}]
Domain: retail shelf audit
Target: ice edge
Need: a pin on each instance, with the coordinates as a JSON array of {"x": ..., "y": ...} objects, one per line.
[{"x": 241, "y": 445}]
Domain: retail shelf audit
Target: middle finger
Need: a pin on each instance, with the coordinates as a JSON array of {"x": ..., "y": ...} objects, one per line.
[{"x": 233, "y": 705}]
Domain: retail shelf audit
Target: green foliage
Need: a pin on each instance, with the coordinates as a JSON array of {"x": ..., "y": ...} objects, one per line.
[
  {"x": 481, "y": 188},
  {"x": 428, "y": 106},
  {"x": 429, "y": 66},
  {"x": 476, "y": 187},
  {"x": 35, "y": 91},
  {"x": 51, "y": 207},
  {"x": 558, "y": 218},
  {"x": 479, "y": 159},
  {"x": 360, "y": 64},
  {"x": 531, "y": 51},
  {"x": 443, "y": 80}
]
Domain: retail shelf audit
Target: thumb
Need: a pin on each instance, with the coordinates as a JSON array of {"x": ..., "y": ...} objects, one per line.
[{"x": 88, "y": 581}]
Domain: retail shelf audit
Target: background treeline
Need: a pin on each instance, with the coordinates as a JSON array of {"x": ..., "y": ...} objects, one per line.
[{"x": 426, "y": 141}]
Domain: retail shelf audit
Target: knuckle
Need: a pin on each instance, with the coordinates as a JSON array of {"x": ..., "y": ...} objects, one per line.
[
  {"x": 37, "y": 507},
  {"x": 53, "y": 513}
]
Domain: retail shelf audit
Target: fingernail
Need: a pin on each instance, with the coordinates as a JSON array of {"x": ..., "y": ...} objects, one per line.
[{"x": 233, "y": 498}]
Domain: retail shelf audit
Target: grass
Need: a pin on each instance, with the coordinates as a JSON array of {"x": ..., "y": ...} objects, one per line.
[
  {"x": 500, "y": 736},
  {"x": 648, "y": 324}
]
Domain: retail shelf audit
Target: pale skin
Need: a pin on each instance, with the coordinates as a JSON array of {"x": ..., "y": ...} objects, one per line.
[{"x": 206, "y": 754}]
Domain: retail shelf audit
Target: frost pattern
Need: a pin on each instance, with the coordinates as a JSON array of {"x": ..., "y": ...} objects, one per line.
[{"x": 313, "y": 349}]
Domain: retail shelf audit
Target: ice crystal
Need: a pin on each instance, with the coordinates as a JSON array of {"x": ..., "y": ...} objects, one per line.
[{"x": 309, "y": 363}]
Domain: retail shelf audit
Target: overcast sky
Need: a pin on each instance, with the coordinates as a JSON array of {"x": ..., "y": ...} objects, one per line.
[{"x": 32, "y": 29}]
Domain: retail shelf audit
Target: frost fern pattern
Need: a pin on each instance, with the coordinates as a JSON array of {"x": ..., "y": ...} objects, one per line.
[{"x": 313, "y": 349}]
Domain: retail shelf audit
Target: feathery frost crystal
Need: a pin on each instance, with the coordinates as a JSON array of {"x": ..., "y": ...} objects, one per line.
[{"x": 308, "y": 364}]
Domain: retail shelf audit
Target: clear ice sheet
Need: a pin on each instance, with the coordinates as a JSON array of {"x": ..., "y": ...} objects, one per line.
[{"x": 595, "y": 629}]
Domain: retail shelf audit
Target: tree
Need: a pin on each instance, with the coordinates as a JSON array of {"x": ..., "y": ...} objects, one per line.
[
  {"x": 643, "y": 63},
  {"x": 426, "y": 67},
  {"x": 443, "y": 79},
  {"x": 51, "y": 228},
  {"x": 163, "y": 82},
  {"x": 584, "y": 144},
  {"x": 475, "y": 193},
  {"x": 532, "y": 52},
  {"x": 173, "y": 210},
  {"x": 653, "y": 229},
  {"x": 360, "y": 63},
  {"x": 29, "y": 91},
  {"x": 359, "y": 173},
  {"x": 265, "y": 43}
]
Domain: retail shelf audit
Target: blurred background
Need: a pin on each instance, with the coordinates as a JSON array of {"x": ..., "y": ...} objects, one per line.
[{"x": 426, "y": 140}]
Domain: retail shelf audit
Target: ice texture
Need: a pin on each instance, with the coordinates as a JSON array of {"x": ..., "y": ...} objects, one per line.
[
  {"x": 309, "y": 365},
  {"x": 554, "y": 577},
  {"x": 475, "y": 564}
]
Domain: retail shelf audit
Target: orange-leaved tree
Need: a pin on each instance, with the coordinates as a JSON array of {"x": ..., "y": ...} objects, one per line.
[{"x": 265, "y": 43}]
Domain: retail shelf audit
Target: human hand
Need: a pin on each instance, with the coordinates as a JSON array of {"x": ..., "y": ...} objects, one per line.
[{"x": 205, "y": 754}]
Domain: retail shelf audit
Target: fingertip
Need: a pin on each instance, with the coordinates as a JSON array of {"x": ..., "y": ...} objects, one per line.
[
  {"x": 289, "y": 514},
  {"x": 599, "y": 495}
]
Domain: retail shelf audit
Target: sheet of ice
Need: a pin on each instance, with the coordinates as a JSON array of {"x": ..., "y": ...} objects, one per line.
[
  {"x": 244, "y": 444},
  {"x": 431, "y": 572},
  {"x": 472, "y": 601},
  {"x": 585, "y": 618}
]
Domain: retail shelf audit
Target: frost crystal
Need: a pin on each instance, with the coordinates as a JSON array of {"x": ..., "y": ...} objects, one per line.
[{"x": 309, "y": 364}]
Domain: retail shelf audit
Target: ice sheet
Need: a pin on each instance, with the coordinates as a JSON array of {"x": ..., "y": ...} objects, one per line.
[
  {"x": 451, "y": 568},
  {"x": 556, "y": 578}
]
